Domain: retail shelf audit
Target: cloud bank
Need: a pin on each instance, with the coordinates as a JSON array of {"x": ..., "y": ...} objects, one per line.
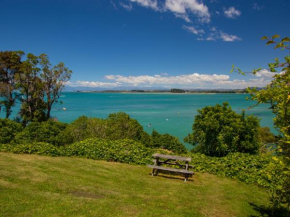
[{"x": 187, "y": 81}]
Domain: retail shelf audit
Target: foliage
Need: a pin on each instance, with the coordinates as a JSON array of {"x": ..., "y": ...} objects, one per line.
[
  {"x": 10, "y": 63},
  {"x": 53, "y": 78},
  {"x": 34, "y": 82},
  {"x": 166, "y": 141},
  {"x": 123, "y": 150},
  {"x": 116, "y": 126},
  {"x": 48, "y": 132},
  {"x": 266, "y": 136},
  {"x": 40, "y": 85},
  {"x": 263, "y": 170},
  {"x": 40, "y": 148},
  {"x": 277, "y": 94},
  {"x": 269, "y": 140},
  {"x": 219, "y": 130},
  {"x": 8, "y": 130},
  {"x": 120, "y": 126}
]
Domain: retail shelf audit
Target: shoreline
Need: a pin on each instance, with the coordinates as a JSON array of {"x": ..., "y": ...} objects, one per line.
[{"x": 149, "y": 92}]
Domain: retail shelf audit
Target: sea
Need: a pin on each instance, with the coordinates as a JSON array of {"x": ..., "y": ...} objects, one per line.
[{"x": 164, "y": 112}]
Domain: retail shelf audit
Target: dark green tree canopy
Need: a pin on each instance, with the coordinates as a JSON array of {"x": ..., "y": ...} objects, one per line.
[
  {"x": 33, "y": 82},
  {"x": 10, "y": 64},
  {"x": 218, "y": 130}
]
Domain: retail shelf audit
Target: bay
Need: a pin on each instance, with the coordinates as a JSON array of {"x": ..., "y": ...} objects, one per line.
[{"x": 166, "y": 113}]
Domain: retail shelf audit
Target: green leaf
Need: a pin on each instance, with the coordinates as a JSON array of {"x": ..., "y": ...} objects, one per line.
[
  {"x": 286, "y": 39},
  {"x": 275, "y": 36},
  {"x": 264, "y": 38},
  {"x": 270, "y": 42},
  {"x": 279, "y": 45}
]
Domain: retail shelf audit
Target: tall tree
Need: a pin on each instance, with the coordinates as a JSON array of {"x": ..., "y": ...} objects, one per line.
[
  {"x": 10, "y": 64},
  {"x": 31, "y": 87},
  {"x": 218, "y": 130},
  {"x": 54, "y": 79},
  {"x": 277, "y": 94}
]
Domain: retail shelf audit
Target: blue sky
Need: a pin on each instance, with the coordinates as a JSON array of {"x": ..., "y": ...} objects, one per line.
[{"x": 149, "y": 43}]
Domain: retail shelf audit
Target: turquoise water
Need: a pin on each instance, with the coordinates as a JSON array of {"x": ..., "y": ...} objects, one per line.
[{"x": 167, "y": 113}]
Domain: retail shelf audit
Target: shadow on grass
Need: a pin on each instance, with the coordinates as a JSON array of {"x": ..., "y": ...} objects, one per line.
[
  {"x": 170, "y": 176},
  {"x": 270, "y": 211}
]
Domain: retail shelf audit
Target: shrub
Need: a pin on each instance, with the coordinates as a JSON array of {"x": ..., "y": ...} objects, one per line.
[
  {"x": 124, "y": 151},
  {"x": 166, "y": 141},
  {"x": 40, "y": 148},
  {"x": 219, "y": 130},
  {"x": 116, "y": 126},
  {"x": 47, "y": 132},
  {"x": 121, "y": 126},
  {"x": 8, "y": 130}
]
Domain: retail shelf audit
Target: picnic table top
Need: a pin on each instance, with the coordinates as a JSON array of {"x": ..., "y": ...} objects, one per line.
[{"x": 172, "y": 157}]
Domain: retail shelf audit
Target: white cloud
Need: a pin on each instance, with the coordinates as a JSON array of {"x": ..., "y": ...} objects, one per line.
[
  {"x": 232, "y": 13},
  {"x": 265, "y": 73},
  {"x": 213, "y": 35},
  {"x": 184, "y": 17},
  {"x": 195, "y": 80},
  {"x": 190, "y": 79},
  {"x": 148, "y": 3},
  {"x": 185, "y": 6},
  {"x": 128, "y": 7},
  {"x": 193, "y": 30},
  {"x": 93, "y": 84},
  {"x": 227, "y": 37},
  {"x": 180, "y": 8},
  {"x": 240, "y": 84}
]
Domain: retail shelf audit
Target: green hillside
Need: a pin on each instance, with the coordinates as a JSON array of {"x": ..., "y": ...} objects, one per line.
[{"x": 32, "y": 185}]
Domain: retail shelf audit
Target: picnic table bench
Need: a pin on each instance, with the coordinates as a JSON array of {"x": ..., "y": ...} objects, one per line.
[{"x": 162, "y": 159}]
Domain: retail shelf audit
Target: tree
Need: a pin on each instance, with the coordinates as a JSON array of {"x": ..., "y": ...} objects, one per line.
[
  {"x": 54, "y": 79},
  {"x": 120, "y": 126},
  {"x": 31, "y": 88},
  {"x": 277, "y": 94},
  {"x": 218, "y": 130},
  {"x": 40, "y": 85},
  {"x": 10, "y": 63},
  {"x": 166, "y": 141}
]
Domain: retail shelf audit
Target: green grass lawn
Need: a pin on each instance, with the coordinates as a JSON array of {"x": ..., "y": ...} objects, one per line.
[{"x": 32, "y": 185}]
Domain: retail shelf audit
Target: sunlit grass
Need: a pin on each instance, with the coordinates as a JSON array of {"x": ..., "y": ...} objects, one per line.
[{"x": 32, "y": 185}]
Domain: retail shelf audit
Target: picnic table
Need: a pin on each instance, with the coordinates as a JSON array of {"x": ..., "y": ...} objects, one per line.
[{"x": 161, "y": 161}]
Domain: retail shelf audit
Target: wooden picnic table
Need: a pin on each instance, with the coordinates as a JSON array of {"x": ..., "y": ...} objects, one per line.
[{"x": 161, "y": 161}]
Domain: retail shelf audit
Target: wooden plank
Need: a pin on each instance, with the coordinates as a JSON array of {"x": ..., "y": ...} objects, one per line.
[
  {"x": 171, "y": 169},
  {"x": 172, "y": 157}
]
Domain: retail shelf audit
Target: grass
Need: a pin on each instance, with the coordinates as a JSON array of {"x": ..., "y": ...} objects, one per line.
[{"x": 32, "y": 185}]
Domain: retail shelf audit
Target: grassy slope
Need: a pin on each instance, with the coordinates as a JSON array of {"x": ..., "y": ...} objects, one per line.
[{"x": 32, "y": 185}]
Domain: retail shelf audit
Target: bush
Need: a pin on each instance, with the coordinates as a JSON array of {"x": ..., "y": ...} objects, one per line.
[
  {"x": 40, "y": 148},
  {"x": 47, "y": 132},
  {"x": 219, "y": 130},
  {"x": 166, "y": 141},
  {"x": 124, "y": 151},
  {"x": 263, "y": 170},
  {"x": 8, "y": 130},
  {"x": 121, "y": 126},
  {"x": 116, "y": 126}
]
